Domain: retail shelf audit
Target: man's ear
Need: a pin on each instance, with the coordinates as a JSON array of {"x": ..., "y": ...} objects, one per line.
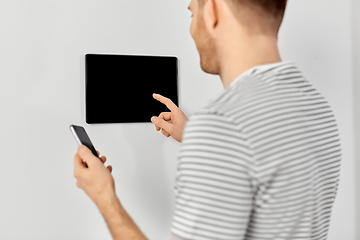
[{"x": 210, "y": 15}]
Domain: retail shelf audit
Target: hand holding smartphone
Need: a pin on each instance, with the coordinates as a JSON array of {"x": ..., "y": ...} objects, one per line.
[{"x": 82, "y": 138}]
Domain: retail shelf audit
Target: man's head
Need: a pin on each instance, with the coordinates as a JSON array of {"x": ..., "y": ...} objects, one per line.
[{"x": 215, "y": 20}]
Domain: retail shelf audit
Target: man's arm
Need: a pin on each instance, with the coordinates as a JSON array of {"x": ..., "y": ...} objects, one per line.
[
  {"x": 102, "y": 191},
  {"x": 118, "y": 220},
  {"x": 98, "y": 184}
]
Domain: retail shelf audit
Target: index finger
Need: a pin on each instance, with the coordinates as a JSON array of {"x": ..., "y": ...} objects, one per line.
[{"x": 169, "y": 104}]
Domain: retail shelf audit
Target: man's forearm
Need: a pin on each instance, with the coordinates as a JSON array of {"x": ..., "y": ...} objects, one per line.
[{"x": 119, "y": 222}]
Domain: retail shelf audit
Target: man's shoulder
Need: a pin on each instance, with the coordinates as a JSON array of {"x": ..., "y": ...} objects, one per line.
[
  {"x": 262, "y": 94},
  {"x": 235, "y": 98}
]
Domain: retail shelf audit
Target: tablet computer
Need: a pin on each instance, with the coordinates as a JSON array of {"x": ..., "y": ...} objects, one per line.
[{"x": 119, "y": 88}]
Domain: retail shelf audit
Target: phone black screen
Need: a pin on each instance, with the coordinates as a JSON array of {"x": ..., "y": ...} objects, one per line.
[
  {"x": 84, "y": 138},
  {"x": 119, "y": 88}
]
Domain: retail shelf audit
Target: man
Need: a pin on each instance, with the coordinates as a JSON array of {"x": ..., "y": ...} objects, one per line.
[{"x": 261, "y": 160}]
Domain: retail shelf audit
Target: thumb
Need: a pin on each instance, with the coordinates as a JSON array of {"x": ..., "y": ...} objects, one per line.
[
  {"x": 159, "y": 122},
  {"x": 86, "y": 155}
]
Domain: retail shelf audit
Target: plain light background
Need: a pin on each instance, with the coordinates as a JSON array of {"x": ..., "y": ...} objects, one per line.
[
  {"x": 356, "y": 90},
  {"x": 42, "y": 48}
]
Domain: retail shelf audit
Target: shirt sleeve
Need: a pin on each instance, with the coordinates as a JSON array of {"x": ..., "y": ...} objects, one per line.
[
  {"x": 214, "y": 183},
  {"x": 174, "y": 237}
]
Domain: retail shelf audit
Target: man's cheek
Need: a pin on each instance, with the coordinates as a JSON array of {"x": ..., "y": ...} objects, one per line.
[{"x": 192, "y": 29}]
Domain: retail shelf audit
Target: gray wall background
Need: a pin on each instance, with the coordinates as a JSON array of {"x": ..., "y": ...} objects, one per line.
[
  {"x": 42, "y": 47},
  {"x": 356, "y": 90}
]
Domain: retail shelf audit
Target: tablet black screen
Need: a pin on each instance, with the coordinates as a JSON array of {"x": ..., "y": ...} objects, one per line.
[{"x": 119, "y": 88}]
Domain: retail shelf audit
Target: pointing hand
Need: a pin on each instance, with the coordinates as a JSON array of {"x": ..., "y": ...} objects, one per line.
[{"x": 172, "y": 123}]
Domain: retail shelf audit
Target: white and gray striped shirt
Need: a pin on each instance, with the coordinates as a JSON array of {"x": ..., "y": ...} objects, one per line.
[{"x": 260, "y": 161}]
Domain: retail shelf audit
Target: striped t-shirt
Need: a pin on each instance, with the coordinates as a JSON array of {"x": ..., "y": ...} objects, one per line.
[{"x": 260, "y": 161}]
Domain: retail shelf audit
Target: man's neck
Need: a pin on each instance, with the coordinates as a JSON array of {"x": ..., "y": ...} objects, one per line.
[{"x": 238, "y": 58}]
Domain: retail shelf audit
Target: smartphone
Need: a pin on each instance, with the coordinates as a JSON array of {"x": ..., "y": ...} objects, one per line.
[{"x": 82, "y": 138}]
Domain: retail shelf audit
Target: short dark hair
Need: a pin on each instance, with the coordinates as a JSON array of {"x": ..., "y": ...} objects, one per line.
[
  {"x": 275, "y": 8},
  {"x": 270, "y": 11}
]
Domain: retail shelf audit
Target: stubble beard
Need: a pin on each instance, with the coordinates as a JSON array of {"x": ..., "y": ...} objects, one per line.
[{"x": 207, "y": 50}]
